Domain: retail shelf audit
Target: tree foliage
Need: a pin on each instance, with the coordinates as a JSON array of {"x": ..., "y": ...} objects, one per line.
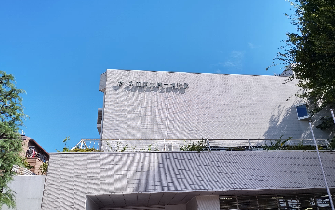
[
  {"x": 11, "y": 119},
  {"x": 312, "y": 51},
  {"x": 44, "y": 168}
]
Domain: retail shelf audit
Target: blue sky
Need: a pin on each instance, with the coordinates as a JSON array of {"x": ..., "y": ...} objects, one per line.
[{"x": 57, "y": 50}]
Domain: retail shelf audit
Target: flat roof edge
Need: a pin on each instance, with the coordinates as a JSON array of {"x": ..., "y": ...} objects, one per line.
[{"x": 192, "y": 72}]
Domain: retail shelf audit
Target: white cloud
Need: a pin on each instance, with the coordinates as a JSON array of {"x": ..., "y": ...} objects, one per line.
[
  {"x": 233, "y": 61},
  {"x": 251, "y": 45},
  {"x": 229, "y": 64},
  {"x": 237, "y": 54}
]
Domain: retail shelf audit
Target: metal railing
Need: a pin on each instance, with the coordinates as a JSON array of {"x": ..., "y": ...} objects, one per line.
[{"x": 163, "y": 145}]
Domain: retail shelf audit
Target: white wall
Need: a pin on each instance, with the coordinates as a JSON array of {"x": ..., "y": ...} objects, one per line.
[
  {"x": 29, "y": 191},
  {"x": 213, "y": 106}
]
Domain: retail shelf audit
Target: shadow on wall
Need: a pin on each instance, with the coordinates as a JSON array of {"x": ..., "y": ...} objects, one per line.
[{"x": 284, "y": 122}]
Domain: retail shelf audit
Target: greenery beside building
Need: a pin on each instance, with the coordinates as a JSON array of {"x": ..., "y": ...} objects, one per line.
[
  {"x": 11, "y": 119},
  {"x": 311, "y": 52}
]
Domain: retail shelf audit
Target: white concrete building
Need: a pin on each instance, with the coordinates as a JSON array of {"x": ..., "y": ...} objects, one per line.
[
  {"x": 167, "y": 105},
  {"x": 145, "y": 107}
]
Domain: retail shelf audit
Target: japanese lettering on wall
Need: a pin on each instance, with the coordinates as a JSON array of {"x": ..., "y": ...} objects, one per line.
[{"x": 154, "y": 85}]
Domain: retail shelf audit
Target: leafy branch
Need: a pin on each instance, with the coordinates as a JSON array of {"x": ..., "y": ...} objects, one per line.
[{"x": 198, "y": 146}]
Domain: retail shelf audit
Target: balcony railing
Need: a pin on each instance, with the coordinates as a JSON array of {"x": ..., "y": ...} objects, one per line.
[{"x": 166, "y": 145}]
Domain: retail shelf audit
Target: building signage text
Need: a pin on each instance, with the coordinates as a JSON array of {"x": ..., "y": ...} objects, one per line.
[{"x": 153, "y": 85}]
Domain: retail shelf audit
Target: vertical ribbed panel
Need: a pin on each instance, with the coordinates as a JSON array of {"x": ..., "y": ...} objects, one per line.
[
  {"x": 93, "y": 174},
  {"x": 80, "y": 180},
  {"x": 52, "y": 186}
]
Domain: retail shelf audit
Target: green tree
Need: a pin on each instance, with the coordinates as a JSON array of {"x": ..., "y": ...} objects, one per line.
[
  {"x": 11, "y": 119},
  {"x": 312, "y": 51}
]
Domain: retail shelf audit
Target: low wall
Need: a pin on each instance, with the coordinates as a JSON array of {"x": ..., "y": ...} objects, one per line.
[{"x": 29, "y": 191}]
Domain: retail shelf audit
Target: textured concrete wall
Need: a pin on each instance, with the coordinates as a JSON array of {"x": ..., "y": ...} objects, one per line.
[
  {"x": 72, "y": 176},
  {"x": 213, "y": 106},
  {"x": 29, "y": 192}
]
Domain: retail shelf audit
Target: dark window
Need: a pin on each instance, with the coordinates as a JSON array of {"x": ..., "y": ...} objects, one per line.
[{"x": 302, "y": 112}]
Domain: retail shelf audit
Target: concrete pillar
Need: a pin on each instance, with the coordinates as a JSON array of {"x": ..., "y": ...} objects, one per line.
[
  {"x": 90, "y": 205},
  {"x": 192, "y": 204},
  {"x": 208, "y": 202},
  {"x": 205, "y": 202}
]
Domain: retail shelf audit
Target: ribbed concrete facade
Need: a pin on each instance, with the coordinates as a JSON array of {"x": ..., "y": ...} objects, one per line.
[
  {"x": 163, "y": 105},
  {"x": 113, "y": 180}
]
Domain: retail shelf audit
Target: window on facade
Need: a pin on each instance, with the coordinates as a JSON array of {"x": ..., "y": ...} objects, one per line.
[{"x": 302, "y": 112}]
